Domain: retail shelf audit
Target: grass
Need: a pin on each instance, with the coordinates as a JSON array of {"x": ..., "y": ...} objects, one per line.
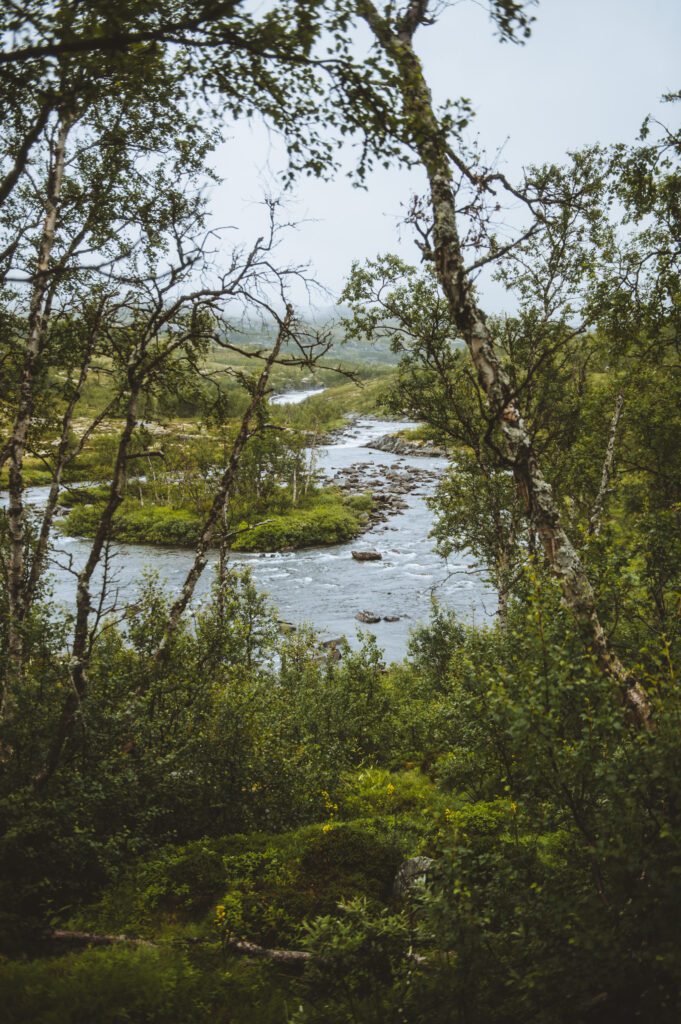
[{"x": 140, "y": 986}]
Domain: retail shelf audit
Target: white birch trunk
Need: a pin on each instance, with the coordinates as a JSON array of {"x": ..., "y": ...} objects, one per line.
[{"x": 430, "y": 143}]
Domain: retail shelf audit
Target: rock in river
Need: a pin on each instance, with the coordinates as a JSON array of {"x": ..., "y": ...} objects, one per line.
[
  {"x": 369, "y": 617},
  {"x": 367, "y": 556}
]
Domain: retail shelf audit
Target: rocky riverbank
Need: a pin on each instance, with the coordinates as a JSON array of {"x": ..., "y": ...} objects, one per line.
[
  {"x": 388, "y": 487},
  {"x": 407, "y": 447}
]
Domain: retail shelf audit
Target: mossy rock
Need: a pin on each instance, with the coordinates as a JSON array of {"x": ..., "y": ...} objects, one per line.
[{"x": 280, "y": 889}]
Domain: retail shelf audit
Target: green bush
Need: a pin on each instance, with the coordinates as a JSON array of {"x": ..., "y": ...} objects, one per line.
[
  {"x": 503, "y": 753},
  {"x": 557, "y": 897},
  {"x": 324, "y": 523},
  {"x": 277, "y": 880},
  {"x": 375, "y": 791},
  {"x": 360, "y": 969},
  {"x": 137, "y": 524},
  {"x": 83, "y": 496},
  {"x": 347, "y": 857}
]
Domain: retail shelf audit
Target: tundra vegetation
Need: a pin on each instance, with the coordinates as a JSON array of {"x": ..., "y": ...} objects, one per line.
[{"x": 202, "y": 819}]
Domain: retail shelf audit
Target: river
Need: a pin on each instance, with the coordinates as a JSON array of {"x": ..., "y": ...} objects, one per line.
[
  {"x": 296, "y": 397},
  {"x": 325, "y": 587}
]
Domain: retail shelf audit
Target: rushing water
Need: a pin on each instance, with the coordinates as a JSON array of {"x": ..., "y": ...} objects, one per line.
[
  {"x": 296, "y": 397},
  {"x": 323, "y": 586}
]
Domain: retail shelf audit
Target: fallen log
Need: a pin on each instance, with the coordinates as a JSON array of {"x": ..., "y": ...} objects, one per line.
[
  {"x": 239, "y": 946},
  {"x": 277, "y": 956}
]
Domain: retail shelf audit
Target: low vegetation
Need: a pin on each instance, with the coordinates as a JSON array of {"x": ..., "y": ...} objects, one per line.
[
  {"x": 238, "y": 796},
  {"x": 209, "y": 815}
]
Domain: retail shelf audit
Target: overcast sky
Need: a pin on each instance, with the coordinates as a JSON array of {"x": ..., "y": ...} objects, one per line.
[{"x": 591, "y": 72}]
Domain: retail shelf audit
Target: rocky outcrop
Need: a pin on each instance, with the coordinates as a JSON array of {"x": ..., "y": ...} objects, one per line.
[{"x": 333, "y": 648}]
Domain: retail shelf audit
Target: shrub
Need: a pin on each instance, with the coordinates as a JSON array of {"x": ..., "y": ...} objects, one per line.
[
  {"x": 137, "y": 524},
  {"x": 378, "y": 791},
  {"x": 360, "y": 967},
  {"x": 324, "y": 523}
]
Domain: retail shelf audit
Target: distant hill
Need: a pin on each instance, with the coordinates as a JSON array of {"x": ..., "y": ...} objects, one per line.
[{"x": 353, "y": 352}]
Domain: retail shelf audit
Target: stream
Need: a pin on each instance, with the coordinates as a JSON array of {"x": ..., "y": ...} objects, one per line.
[
  {"x": 325, "y": 586},
  {"x": 296, "y": 397}
]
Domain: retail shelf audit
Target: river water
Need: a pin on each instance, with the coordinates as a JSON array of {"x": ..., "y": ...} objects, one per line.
[
  {"x": 325, "y": 587},
  {"x": 296, "y": 397}
]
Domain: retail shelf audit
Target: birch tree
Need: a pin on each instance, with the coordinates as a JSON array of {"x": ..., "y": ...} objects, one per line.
[
  {"x": 105, "y": 194},
  {"x": 430, "y": 138}
]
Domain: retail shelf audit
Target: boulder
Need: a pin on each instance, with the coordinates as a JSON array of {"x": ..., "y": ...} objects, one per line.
[
  {"x": 368, "y": 617},
  {"x": 410, "y": 873},
  {"x": 367, "y": 556},
  {"x": 391, "y": 618}
]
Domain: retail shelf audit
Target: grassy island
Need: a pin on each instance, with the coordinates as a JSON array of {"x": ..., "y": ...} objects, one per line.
[{"x": 323, "y": 517}]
